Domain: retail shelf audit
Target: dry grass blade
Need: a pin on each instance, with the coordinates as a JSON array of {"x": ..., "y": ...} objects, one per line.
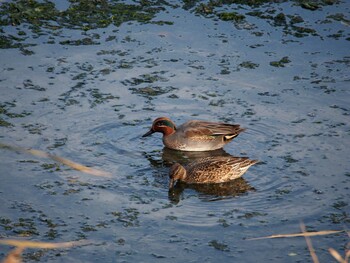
[
  {"x": 309, "y": 245},
  {"x": 345, "y": 23},
  {"x": 14, "y": 256},
  {"x": 36, "y": 152},
  {"x": 305, "y": 234},
  {"x": 74, "y": 165},
  {"x": 42, "y": 245},
  {"x": 80, "y": 167},
  {"x": 336, "y": 255}
]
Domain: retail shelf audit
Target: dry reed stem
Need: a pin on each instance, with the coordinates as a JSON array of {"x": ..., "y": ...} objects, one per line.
[
  {"x": 305, "y": 234},
  {"x": 80, "y": 167},
  {"x": 15, "y": 255},
  {"x": 337, "y": 256},
  {"x": 43, "y": 245},
  {"x": 74, "y": 165},
  {"x": 309, "y": 244}
]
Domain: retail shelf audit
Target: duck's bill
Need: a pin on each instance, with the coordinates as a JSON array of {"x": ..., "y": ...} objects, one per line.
[
  {"x": 148, "y": 133},
  {"x": 171, "y": 183}
]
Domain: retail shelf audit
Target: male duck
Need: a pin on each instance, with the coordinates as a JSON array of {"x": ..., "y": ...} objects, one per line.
[{"x": 195, "y": 135}]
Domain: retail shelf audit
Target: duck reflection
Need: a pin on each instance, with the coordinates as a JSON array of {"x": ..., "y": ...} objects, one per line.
[
  {"x": 211, "y": 192},
  {"x": 170, "y": 156}
]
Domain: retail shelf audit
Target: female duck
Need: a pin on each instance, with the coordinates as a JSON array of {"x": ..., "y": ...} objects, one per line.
[{"x": 217, "y": 169}]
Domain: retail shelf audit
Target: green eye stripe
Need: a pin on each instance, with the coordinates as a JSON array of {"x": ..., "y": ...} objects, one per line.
[{"x": 166, "y": 123}]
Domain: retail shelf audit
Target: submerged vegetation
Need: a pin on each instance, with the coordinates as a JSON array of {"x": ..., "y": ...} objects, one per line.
[
  {"x": 45, "y": 18},
  {"x": 83, "y": 15}
]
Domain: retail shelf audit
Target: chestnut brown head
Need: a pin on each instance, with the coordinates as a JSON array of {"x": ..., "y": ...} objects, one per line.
[{"x": 163, "y": 125}]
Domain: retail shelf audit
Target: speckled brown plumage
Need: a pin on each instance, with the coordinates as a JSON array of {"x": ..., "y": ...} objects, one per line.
[{"x": 210, "y": 170}]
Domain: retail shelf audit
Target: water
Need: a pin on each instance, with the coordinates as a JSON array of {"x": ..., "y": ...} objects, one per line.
[{"x": 88, "y": 91}]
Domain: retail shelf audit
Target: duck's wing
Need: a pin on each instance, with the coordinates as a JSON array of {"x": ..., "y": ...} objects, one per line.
[{"x": 204, "y": 128}]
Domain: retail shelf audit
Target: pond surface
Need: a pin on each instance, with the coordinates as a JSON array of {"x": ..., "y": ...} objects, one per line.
[{"x": 84, "y": 81}]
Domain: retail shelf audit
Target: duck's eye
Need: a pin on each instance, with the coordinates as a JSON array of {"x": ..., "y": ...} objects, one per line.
[
  {"x": 159, "y": 124},
  {"x": 165, "y": 123}
]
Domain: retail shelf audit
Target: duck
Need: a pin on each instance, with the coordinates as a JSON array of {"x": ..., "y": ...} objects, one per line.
[
  {"x": 210, "y": 170},
  {"x": 195, "y": 135}
]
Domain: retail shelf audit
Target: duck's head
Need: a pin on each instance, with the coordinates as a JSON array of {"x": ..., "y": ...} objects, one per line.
[
  {"x": 163, "y": 125},
  {"x": 177, "y": 172}
]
